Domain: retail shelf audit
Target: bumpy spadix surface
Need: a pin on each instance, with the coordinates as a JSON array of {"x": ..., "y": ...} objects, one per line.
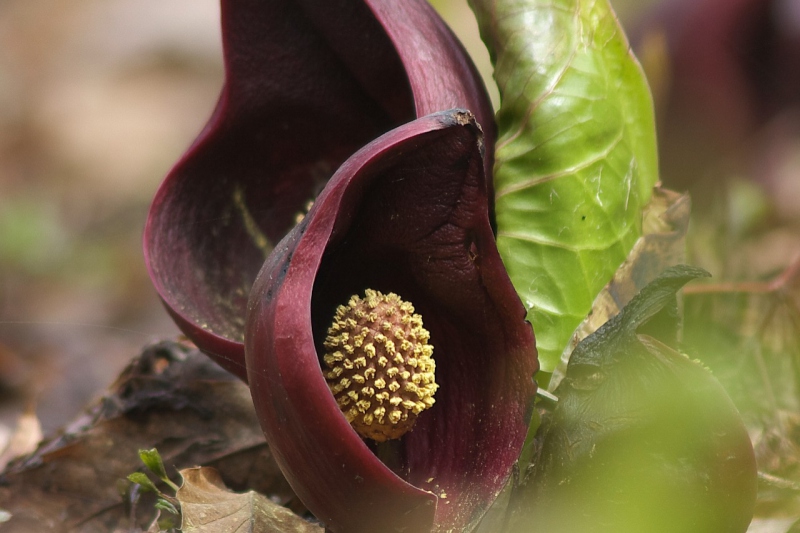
[{"x": 380, "y": 367}]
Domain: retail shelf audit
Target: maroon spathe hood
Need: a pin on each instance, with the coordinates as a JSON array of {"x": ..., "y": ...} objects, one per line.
[
  {"x": 407, "y": 214},
  {"x": 307, "y": 84}
]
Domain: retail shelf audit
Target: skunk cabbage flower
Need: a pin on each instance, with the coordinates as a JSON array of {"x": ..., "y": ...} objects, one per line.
[
  {"x": 307, "y": 84},
  {"x": 387, "y": 351}
]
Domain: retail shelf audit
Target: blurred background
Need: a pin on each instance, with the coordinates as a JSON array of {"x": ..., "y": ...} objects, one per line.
[{"x": 98, "y": 98}]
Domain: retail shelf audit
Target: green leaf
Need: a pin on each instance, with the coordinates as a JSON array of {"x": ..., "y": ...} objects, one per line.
[
  {"x": 167, "y": 506},
  {"x": 152, "y": 460},
  {"x": 662, "y": 244},
  {"x": 142, "y": 479},
  {"x": 642, "y": 438},
  {"x": 576, "y": 155}
]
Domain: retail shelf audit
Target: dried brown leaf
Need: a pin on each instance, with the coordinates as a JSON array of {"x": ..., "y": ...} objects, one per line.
[
  {"x": 25, "y": 437},
  {"x": 207, "y": 506},
  {"x": 172, "y": 398}
]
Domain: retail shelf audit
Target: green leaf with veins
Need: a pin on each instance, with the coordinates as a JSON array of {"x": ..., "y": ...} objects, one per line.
[{"x": 576, "y": 155}]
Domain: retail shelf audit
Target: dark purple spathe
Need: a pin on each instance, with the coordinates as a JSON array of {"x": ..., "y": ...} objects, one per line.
[
  {"x": 407, "y": 214},
  {"x": 307, "y": 84}
]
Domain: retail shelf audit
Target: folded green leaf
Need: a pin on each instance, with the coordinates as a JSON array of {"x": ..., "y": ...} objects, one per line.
[
  {"x": 141, "y": 479},
  {"x": 152, "y": 460},
  {"x": 164, "y": 505},
  {"x": 576, "y": 156}
]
